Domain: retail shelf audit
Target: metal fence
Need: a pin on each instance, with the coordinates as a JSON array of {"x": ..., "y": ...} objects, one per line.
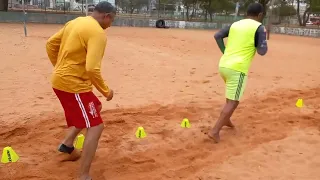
[
  {"x": 48, "y": 6},
  {"x": 144, "y": 9}
]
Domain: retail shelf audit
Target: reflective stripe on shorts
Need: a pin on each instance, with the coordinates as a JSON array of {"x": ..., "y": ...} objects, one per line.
[{"x": 239, "y": 88}]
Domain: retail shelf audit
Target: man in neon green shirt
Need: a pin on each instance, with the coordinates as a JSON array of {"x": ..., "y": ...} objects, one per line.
[{"x": 245, "y": 38}]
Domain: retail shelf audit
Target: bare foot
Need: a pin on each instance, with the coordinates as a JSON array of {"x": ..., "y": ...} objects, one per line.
[
  {"x": 205, "y": 129},
  {"x": 229, "y": 124},
  {"x": 74, "y": 156},
  {"x": 214, "y": 136},
  {"x": 85, "y": 177}
]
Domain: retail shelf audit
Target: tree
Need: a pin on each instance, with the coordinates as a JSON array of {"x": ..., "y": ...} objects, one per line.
[
  {"x": 305, "y": 16},
  {"x": 285, "y": 9},
  {"x": 82, "y": 1},
  {"x": 245, "y": 4},
  {"x": 217, "y": 6},
  {"x": 130, "y": 6},
  {"x": 169, "y": 5},
  {"x": 206, "y": 6},
  {"x": 281, "y": 9},
  {"x": 4, "y": 5},
  {"x": 315, "y": 6},
  {"x": 187, "y": 4}
]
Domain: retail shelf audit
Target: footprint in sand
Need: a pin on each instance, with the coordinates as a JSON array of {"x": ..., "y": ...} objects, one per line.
[{"x": 20, "y": 131}]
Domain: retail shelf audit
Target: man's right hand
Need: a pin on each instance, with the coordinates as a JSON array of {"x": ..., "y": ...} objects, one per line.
[{"x": 110, "y": 95}]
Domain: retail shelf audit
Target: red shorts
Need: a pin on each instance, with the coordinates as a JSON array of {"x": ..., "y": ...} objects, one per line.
[{"x": 81, "y": 110}]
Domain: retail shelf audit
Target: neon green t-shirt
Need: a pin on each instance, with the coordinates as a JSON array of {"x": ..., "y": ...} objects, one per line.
[{"x": 240, "y": 48}]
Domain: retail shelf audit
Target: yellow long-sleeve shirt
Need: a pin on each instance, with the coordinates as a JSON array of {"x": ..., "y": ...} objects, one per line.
[{"x": 76, "y": 52}]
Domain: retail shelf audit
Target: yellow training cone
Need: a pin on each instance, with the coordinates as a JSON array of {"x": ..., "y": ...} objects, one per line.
[
  {"x": 185, "y": 123},
  {"x": 299, "y": 103},
  {"x": 8, "y": 155},
  {"x": 78, "y": 144},
  {"x": 140, "y": 133}
]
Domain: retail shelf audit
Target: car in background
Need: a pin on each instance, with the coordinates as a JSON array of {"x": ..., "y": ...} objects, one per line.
[
  {"x": 315, "y": 20},
  {"x": 309, "y": 23},
  {"x": 317, "y": 23}
]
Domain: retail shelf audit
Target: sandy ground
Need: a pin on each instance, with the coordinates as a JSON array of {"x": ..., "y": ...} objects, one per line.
[{"x": 160, "y": 77}]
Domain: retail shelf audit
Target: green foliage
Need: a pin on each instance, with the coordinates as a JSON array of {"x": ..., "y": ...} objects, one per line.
[
  {"x": 228, "y": 5},
  {"x": 4, "y": 5},
  {"x": 263, "y": 2},
  {"x": 168, "y": 5},
  {"x": 188, "y": 3},
  {"x": 136, "y": 5},
  {"x": 132, "y": 5},
  {"x": 168, "y": 2},
  {"x": 283, "y": 8},
  {"x": 206, "y": 8},
  {"x": 315, "y": 6},
  {"x": 286, "y": 10},
  {"x": 217, "y": 6}
]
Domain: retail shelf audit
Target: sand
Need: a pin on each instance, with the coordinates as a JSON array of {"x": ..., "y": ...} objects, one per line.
[{"x": 160, "y": 77}]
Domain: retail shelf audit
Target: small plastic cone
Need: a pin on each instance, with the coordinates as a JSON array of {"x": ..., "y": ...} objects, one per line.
[
  {"x": 185, "y": 123},
  {"x": 9, "y": 155},
  {"x": 78, "y": 144},
  {"x": 299, "y": 103},
  {"x": 140, "y": 133}
]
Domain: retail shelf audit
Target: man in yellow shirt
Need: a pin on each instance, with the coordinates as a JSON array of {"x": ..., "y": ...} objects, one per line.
[{"x": 76, "y": 52}]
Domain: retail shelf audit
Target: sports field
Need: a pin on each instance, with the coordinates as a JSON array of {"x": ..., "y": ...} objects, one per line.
[{"x": 161, "y": 76}]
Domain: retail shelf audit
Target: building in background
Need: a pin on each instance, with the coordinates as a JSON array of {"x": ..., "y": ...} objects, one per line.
[{"x": 110, "y": 1}]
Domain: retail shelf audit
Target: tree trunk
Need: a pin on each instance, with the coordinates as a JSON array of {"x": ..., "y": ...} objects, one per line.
[
  {"x": 302, "y": 21},
  {"x": 131, "y": 7},
  {"x": 187, "y": 13},
  {"x": 298, "y": 12},
  {"x": 210, "y": 10},
  {"x": 4, "y": 5},
  {"x": 206, "y": 15},
  {"x": 305, "y": 17},
  {"x": 193, "y": 11}
]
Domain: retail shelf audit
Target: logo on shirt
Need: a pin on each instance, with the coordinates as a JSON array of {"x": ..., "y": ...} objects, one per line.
[{"x": 92, "y": 110}]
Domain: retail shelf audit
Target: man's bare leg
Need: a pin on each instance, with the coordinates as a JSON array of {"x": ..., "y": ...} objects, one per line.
[
  {"x": 224, "y": 119},
  {"x": 229, "y": 122},
  {"x": 89, "y": 150},
  {"x": 71, "y": 136},
  {"x": 67, "y": 145}
]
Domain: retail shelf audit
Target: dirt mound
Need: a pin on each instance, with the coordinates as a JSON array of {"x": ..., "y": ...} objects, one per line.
[{"x": 169, "y": 152}]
